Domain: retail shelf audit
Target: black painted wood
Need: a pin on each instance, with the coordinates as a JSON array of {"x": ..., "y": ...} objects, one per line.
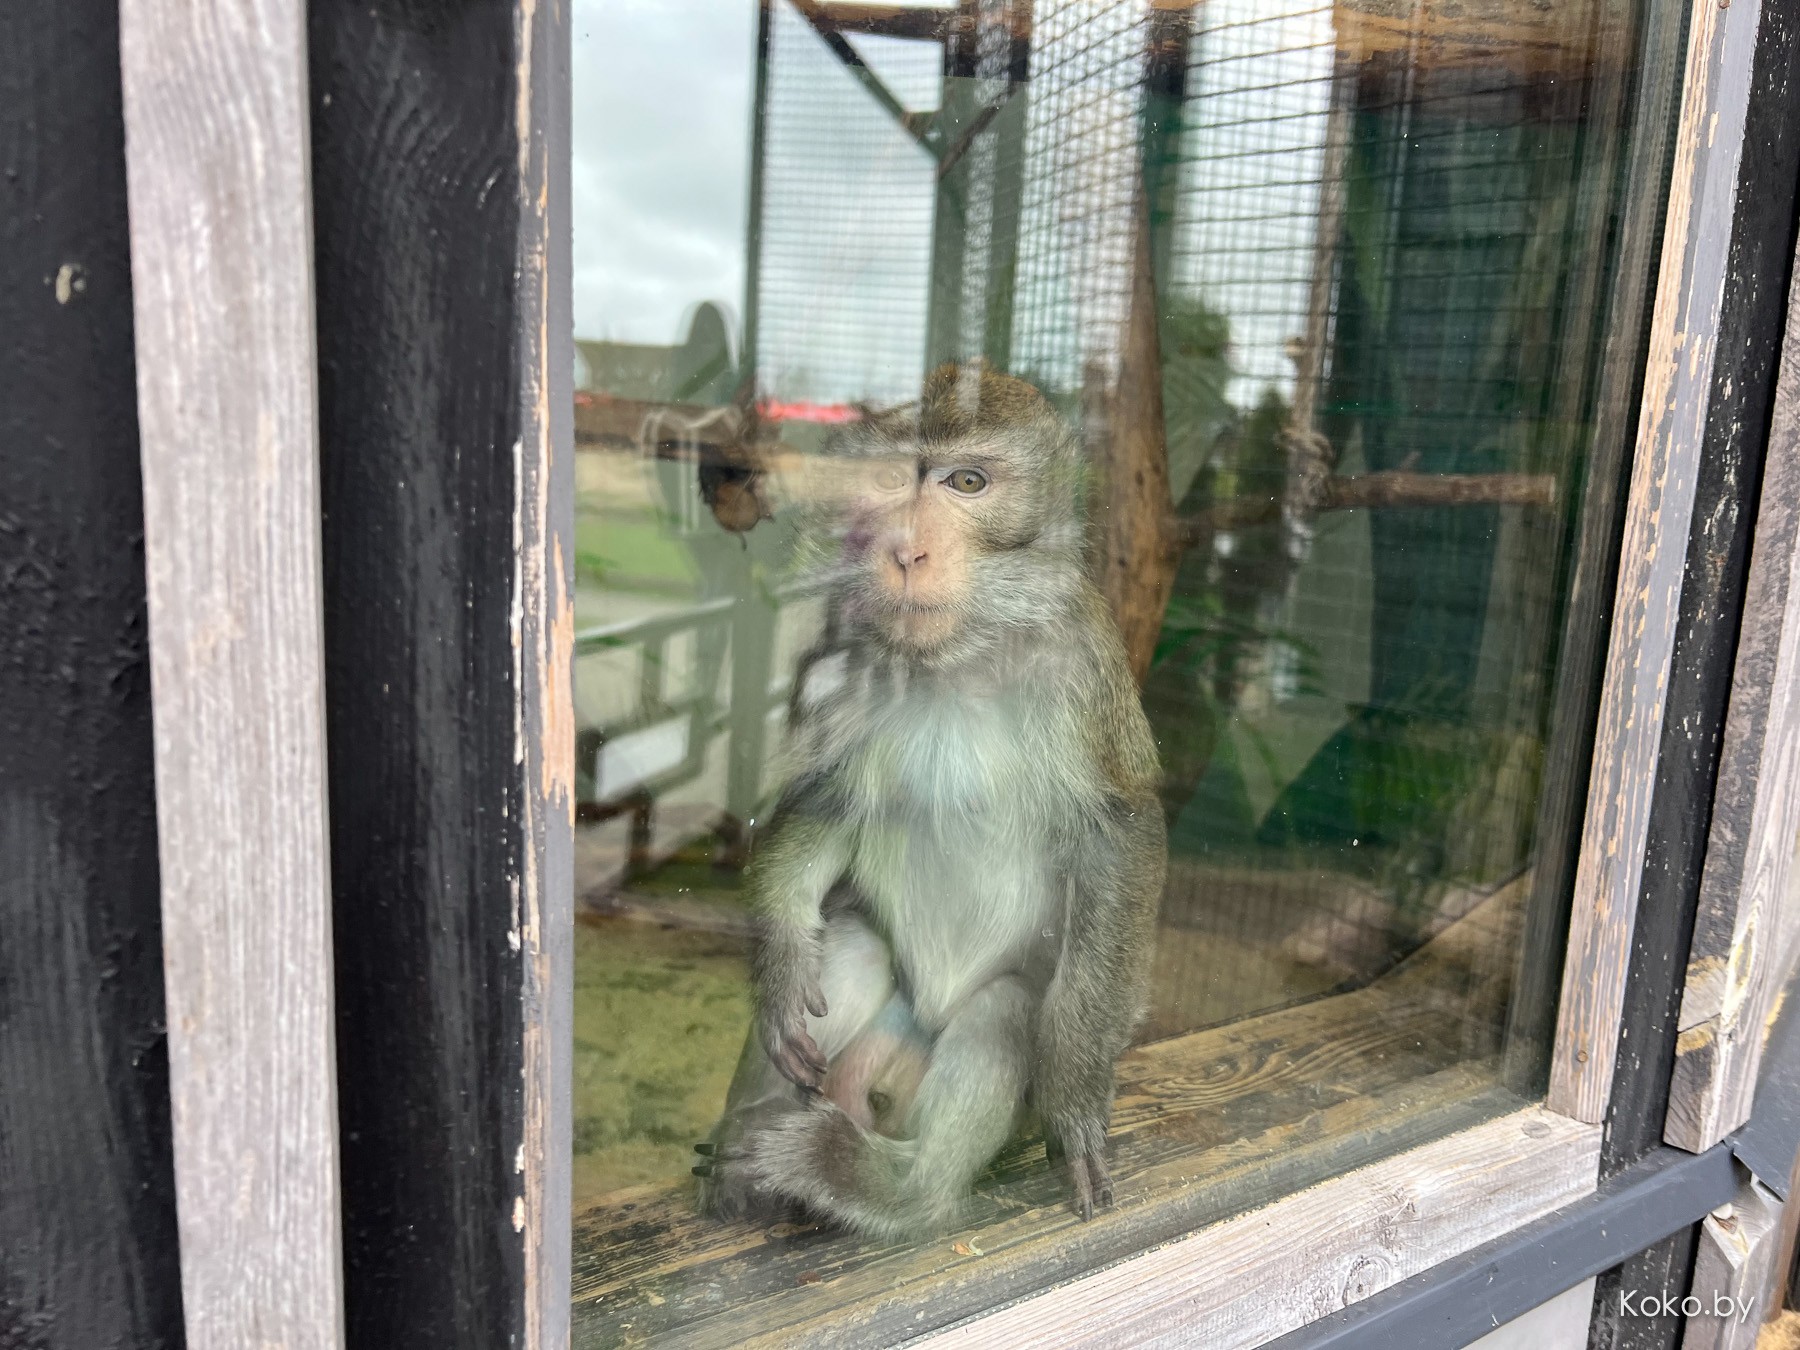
[
  {"x": 87, "y": 1202},
  {"x": 417, "y": 218},
  {"x": 1741, "y": 402}
]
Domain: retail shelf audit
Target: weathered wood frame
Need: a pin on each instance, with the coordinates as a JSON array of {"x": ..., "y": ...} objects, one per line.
[
  {"x": 1741, "y": 941},
  {"x": 260, "y": 648},
  {"x": 440, "y": 160},
  {"x": 221, "y": 250},
  {"x": 359, "y": 536},
  {"x": 1678, "y": 381}
]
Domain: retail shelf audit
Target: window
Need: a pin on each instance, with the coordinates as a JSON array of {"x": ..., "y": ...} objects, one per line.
[{"x": 1343, "y": 308}]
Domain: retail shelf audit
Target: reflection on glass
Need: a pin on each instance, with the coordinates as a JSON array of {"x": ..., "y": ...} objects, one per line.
[{"x": 1299, "y": 321}]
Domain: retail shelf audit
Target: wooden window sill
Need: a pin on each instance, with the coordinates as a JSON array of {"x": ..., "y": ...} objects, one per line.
[{"x": 1398, "y": 1079}]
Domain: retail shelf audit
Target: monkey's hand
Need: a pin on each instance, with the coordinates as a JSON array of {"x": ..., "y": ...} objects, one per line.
[
  {"x": 781, "y": 1023},
  {"x": 1080, "y": 1145}
]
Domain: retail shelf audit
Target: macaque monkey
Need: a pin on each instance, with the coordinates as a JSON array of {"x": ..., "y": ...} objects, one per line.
[{"x": 957, "y": 891}]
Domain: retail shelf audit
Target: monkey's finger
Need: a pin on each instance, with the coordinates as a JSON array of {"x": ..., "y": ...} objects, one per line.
[
  {"x": 1084, "y": 1190},
  {"x": 706, "y": 1150},
  {"x": 796, "y": 1070},
  {"x": 702, "y": 1170},
  {"x": 1102, "y": 1182},
  {"x": 816, "y": 1004},
  {"x": 808, "y": 1050}
]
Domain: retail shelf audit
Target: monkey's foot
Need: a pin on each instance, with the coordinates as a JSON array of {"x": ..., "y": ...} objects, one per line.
[{"x": 1091, "y": 1181}]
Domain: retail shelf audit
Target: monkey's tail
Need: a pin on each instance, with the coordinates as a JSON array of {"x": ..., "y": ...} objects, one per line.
[{"x": 879, "y": 1187}]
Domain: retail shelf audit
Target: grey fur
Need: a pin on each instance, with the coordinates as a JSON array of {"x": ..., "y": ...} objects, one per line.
[{"x": 970, "y": 835}]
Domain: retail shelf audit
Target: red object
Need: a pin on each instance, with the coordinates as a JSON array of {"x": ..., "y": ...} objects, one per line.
[{"x": 776, "y": 411}]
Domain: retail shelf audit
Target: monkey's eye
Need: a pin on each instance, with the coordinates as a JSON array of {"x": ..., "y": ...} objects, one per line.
[
  {"x": 891, "y": 478},
  {"x": 969, "y": 482}
]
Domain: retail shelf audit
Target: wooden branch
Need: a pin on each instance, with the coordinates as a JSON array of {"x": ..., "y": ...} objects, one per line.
[
  {"x": 898, "y": 21},
  {"x": 1392, "y": 488},
  {"x": 1139, "y": 554}
]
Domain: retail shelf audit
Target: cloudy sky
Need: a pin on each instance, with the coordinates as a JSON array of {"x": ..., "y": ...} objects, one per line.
[{"x": 662, "y": 146}]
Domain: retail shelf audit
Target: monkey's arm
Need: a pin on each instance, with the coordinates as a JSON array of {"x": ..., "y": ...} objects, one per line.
[
  {"x": 1097, "y": 994},
  {"x": 803, "y": 858}
]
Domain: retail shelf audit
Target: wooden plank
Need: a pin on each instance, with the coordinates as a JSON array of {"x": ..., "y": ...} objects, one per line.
[
  {"x": 87, "y": 1183},
  {"x": 1678, "y": 379},
  {"x": 1752, "y": 317},
  {"x": 1737, "y": 1248},
  {"x": 1334, "y": 1244},
  {"x": 543, "y": 636},
  {"x": 221, "y": 253},
  {"x": 439, "y": 153},
  {"x": 1731, "y": 975}
]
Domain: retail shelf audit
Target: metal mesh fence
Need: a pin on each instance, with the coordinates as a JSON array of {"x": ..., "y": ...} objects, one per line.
[
  {"x": 1377, "y": 248},
  {"x": 847, "y": 201}
]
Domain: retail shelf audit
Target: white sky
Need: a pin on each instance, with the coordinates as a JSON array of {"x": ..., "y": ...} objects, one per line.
[{"x": 662, "y": 94}]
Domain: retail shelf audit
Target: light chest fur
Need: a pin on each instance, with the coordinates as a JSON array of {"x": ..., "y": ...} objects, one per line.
[{"x": 954, "y": 799}]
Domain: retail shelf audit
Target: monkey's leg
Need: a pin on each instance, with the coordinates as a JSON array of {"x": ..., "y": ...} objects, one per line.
[
  {"x": 857, "y": 978},
  {"x": 965, "y": 1109}
]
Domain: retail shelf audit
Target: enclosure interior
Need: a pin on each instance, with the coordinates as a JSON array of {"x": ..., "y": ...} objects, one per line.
[{"x": 1349, "y": 274}]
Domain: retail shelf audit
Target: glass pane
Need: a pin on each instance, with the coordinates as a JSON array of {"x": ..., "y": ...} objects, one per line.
[{"x": 1092, "y": 520}]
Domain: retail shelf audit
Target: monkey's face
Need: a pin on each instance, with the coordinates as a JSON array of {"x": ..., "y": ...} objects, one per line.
[
  {"x": 954, "y": 518},
  {"x": 914, "y": 524},
  {"x": 937, "y": 535}
]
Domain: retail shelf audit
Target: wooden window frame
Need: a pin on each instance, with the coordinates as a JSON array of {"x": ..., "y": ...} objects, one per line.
[{"x": 381, "y": 203}]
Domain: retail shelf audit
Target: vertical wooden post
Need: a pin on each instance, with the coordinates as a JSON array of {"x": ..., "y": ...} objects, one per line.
[
  {"x": 88, "y": 1245},
  {"x": 221, "y": 250},
  {"x": 1653, "y": 555},
  {"x": 944, "y": 340},
  {"x": 1732, "y": 963},
  {"x": 440, "y": 163},
  {"x": 1008, "y": 190}
]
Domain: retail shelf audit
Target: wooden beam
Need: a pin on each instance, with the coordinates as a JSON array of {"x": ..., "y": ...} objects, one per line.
[
  {"x": 1733, "y": 966},
  {"x": 1391, "y": 488},
  {"x": 1677, "y": 385},
  {"x": 221, "y": 252},
  {"x": 1732, "y": 1267},
  {"x": 922, "y": 23},
  {"x": 449, "y": 516},
  {"x": 87, "y": 1184},
  {"x": 1333, "y": 1244}
]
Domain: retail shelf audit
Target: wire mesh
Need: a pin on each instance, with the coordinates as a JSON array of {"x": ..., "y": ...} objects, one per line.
[{"x": 1377, "y": 247}]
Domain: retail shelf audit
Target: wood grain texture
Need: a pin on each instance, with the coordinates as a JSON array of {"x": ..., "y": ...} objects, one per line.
[
  {"x": 1334, "y": 1244},
  {"x": 439, "y": 146},
  {"x": 1678, "y": 378},
  {"x": 544, "y": 638},
  {"x": 1732, "y": 1261},
  {"x": 1720, "y": 538},
  {"x": 1139, "y": 553},
  {"x": 1731, "y": 967},
  {"x": 88, "y": 1254},
  {"x": 216, "y": 155}
]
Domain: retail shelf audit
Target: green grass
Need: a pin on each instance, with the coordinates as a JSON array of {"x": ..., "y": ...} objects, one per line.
[
  {"x": 631, "y": 550},
  {"x": 660, "y": 1017}
]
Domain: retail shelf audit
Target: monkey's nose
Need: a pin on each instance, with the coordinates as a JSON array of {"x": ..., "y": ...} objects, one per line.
[{"x": 908, "y": 556}]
